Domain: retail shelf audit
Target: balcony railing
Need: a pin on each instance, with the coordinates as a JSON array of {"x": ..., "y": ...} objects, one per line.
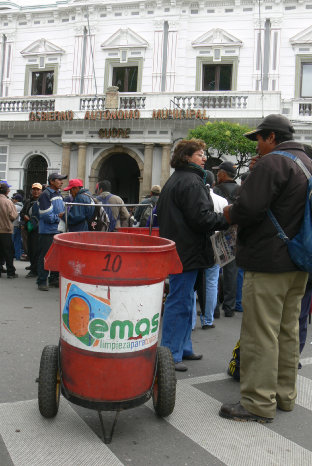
[
  {"x": 132, "y": 103},
  {"x": 31, "y": 105},
  {"x": 227, "y": 104},
  {"x": 92, "y": 103},
  {"x": 305, "y": 109},
  {"x": 211, "y": 101}
]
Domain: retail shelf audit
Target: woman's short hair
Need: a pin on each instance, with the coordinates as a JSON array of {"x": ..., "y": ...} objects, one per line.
[
  {"x": 4, "y": 188},
  {"x": 185, "y": 149}
]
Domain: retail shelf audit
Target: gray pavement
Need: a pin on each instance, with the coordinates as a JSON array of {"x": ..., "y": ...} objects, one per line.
[{"x": 193, "y": 435}]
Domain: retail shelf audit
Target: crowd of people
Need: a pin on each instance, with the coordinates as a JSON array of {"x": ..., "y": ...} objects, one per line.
[{"x": 262, "y": 282}]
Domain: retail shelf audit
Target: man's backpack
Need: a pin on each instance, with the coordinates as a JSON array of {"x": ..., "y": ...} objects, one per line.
[
  {"x": 300, "y": 246},
  {"x": 99, "y": 220},
  {"x": 112, "y": 219},
  {"x": 146, "y": 214}
]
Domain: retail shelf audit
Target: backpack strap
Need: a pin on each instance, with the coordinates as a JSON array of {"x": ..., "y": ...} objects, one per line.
[
  {"x": 281, "y": 234},
  {"x": 295, "y": 159}
]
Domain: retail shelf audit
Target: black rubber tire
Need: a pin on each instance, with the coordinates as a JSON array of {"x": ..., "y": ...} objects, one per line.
[
  {"x": 49, "y": 387},
  {"x": 164, "y": 389}
]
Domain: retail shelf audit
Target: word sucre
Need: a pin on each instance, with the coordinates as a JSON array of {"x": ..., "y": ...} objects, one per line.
[{"x": 114, "y": 133}]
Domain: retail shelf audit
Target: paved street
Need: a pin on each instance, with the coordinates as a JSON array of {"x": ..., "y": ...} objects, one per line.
[{"x": 193, "y": 435}]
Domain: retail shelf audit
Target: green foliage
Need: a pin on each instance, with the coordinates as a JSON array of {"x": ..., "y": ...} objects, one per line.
[{"x": 227, "y": 139}]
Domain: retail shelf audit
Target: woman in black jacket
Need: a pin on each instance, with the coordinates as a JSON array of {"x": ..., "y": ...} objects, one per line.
[{"x": 186, "y": 216}]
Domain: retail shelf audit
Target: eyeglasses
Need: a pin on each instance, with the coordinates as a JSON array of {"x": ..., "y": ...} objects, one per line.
[{"x": 203, "y": 156}]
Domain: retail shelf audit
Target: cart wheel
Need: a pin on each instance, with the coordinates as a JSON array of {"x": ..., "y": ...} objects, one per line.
[
  {"x": 49, "y": 388},
  {"x": 164, "y": 389}
]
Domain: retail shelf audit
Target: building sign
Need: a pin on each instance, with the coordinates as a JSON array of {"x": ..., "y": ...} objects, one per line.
[
  {"x": 114, "y": 133},
  {"x": 160, "y": 114},
  {"x": 113, "y": 115},
  {"x": 51, "y": 116},
  {"x": 165, "y": 114}
]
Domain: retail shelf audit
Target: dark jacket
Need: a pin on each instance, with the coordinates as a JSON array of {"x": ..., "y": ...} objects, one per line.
[
  {"x": 79, "y": 215},
  {"x": 186, "y": 216},
  {"x": 31, "y": 209},
  {"x": 275, "y": 182},
  {"x": 227, "y": 189}
]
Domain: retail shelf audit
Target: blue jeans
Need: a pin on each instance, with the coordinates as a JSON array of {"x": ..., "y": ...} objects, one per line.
[
  {"x": 17, "y": 241},
  {"x": 212, "y": 277},
  {"x": 177, "y": 321},
  {"x": 239, "y": 288},
  {"x": 194, "y": 314}
]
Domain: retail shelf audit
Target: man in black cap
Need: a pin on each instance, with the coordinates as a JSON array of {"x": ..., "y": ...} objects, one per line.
[
  {"x": 227, "y": 187},
  {"x": 51, "y": 212},
  {"x": 273, "y": 285}
]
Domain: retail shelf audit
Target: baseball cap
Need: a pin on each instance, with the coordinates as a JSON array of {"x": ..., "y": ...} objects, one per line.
[
  {"x": 5, "y": 182},
  {"x": 36, "y": 185},
  {"x": 74, "y": 183},
  {"x": 228, "y": 167},
  {"x": 155, "y": 189},
  {"x": 17, "y": 197},
  {"x": 56, "y": 176},
  {"x": 273, "y": 122}
]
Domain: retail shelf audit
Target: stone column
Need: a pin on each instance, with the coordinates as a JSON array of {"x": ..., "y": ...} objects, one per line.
[
  {"x": 82, "y": 152},
  {"x": 147, "y": 169},
  {"x": 165, "y": 164},
  {"x": 66, "y": 162}
]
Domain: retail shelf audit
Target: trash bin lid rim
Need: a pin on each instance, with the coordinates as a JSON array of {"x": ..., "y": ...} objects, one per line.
[{"x": 165, "y": 247}]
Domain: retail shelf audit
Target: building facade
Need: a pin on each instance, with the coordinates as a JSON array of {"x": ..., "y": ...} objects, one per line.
[{"x": 104, "y": 90}]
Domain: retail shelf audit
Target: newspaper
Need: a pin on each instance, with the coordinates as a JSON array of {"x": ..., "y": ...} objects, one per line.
[{"x": 224, "y": 245}]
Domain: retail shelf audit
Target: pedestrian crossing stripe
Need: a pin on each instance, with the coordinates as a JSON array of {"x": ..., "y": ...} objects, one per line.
[{"x": 68, "y": 441}]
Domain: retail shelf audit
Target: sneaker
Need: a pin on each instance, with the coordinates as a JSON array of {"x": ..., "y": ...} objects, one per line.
[
  {"x": 12, "y": 276},
  {"x": 229, "y": 313},
  {"x": 28, "y": 267},
  {"x": 237, "y": 412},
  {"x": 206, "y": 326},
  {"x": 180, "y": 367},
  {"x": 193, "y": 357},
  {"x": 31, "y": 275},
  {"x": 43, "y": 287}
]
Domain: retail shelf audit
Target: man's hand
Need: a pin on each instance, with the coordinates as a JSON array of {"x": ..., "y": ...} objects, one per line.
[
  {"x": 226, "y": 213},
  {"x": 61, "y": 214},
  {"x": 253, "y": 161},
  {"x": 26, "y": 218}
]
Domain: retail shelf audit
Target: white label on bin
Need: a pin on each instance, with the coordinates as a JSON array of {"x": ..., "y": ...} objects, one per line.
[{"x": 110, "y": 319}]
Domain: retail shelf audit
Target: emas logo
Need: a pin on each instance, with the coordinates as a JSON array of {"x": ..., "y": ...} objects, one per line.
[
  {"x": 89, "y": 318},
  {"x": 80, "y": 308}
]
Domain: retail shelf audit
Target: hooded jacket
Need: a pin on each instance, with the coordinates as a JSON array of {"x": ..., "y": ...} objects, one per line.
[
  {"x": 277, "y": 183},
  {"x": 186, "y": 215}
]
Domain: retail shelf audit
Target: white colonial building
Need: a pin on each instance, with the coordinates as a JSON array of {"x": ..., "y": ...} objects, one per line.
[{"x": 104, "y": 89}]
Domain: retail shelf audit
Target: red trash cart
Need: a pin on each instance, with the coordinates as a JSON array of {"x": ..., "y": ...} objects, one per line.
[{"x": 111, "y": 288}]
